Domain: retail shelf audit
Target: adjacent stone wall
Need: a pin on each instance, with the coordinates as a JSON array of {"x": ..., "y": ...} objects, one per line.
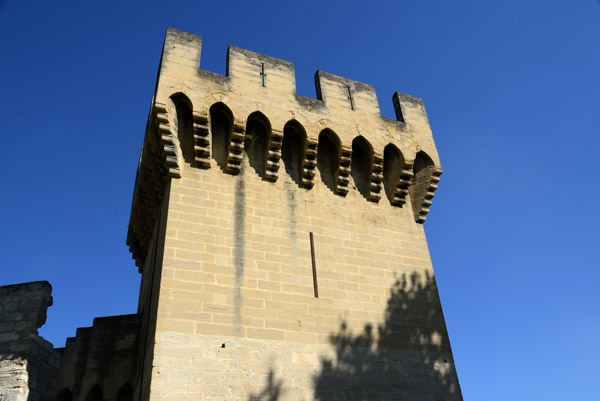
[
  {"x": 101, "y": 359},
  {"x": 29, "y": 365}
]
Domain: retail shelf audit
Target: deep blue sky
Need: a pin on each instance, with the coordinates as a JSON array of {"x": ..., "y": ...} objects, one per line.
[{"x": 512, "y": 89}]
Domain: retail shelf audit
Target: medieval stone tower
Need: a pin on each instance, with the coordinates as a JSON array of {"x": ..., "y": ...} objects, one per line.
[
  {"x": 280, "y": 238},
  {"x": 281, "y": 245}
]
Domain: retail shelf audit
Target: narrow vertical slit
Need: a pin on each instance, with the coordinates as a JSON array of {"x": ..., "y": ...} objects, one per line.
[
  {"x": 314, "y": 265},
  {"x": 350, "y": 98}
]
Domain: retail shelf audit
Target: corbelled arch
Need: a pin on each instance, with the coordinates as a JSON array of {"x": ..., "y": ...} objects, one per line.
[
  {"x": 294, "y": 154},
  {"x": 328, "y": 157},
  {"x": 361, "y": 166},
  {"x": 396, "y": 175},
  {"x": 256, "y": 142},
  {"x": 181, "y": 121},
  {"x": 333, "y": 162},
  {"x": 221, "y": 130},
  {"x": 424, "y": 183}
]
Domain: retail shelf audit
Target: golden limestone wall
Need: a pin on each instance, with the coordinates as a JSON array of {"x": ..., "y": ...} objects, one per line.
[{"x": 243, "y": 174}]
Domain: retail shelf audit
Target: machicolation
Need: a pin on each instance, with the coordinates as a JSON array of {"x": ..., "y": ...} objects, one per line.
[{"x": 341, "y": 134}]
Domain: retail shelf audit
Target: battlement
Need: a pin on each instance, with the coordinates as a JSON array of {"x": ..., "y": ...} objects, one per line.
[
  {"x": 201, "y": 120},
  {"x": 250, "y": 68}
]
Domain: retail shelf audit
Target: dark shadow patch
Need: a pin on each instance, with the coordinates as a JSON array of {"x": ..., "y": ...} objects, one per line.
[
  {"x": 184, "y": 126},
  {"x": 328, "y": 158},
  {"x": 361, "y": 165},
  {"x": 125, "y": 393},
  {"x": 271, "y": 391},
  {"x": 258, "y": 130},
  {"x": 239, "y": 247},
  {"x": 292, "y": 151},
  {"x": 393, "y": 162},
  {"x": 95, "y": 394},
  {"x": 408, "y": 359},
  {"x": 64, "y": 395},
  {"x": 221, "y": 125}
]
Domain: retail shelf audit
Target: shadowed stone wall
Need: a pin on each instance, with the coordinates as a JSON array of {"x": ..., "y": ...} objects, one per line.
[
  {"x": 29, "y": 365},
  {"x": 101, "y": 359}
]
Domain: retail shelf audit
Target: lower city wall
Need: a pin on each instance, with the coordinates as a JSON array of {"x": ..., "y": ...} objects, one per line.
[{"x": 29, "y": 365}]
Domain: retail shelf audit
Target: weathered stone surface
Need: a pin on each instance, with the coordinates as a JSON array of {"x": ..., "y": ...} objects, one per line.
[
  {"x": 101, "y": 358},
  {"x": 29, "y": 365}
]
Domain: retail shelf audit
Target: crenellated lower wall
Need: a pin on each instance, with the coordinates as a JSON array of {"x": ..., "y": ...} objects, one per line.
[{"x": 100, "y": 362}]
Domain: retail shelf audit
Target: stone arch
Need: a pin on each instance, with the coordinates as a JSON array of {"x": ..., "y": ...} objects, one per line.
[
  {"x": 293, "y": 149},
  {"x": 256, "y": 141},
  {"x": 125, "y": 393},
  {"x": 420, "y": 190},
  {"x": 221, "y": 126},
  {"x": 361, "y": 165},
  {"x": 422, "y": 162},
  {"x": 94, "y": 394},
  {"x": 182, "y": 124},
  {"x": 64, "y": 395},
  {"x": 328, "y": 158},
  {"x": 393, "y": 165}
]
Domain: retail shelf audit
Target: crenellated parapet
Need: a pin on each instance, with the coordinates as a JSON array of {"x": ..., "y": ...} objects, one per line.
[{"x": 205, "y": 120}]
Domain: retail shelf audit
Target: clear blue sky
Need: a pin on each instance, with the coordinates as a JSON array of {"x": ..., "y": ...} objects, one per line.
[{"x": 512, "y": 89}]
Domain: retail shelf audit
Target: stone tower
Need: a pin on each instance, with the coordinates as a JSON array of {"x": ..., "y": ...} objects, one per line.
[{"x": 280, "y": 239}]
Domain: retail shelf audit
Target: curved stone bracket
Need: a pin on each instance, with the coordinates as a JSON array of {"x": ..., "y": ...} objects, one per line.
[
  {"x": 170, "y": 144},
  {"x": 201, "y": 140},
  {"x": 273, "y": 155},
  {"x": 235, "y": 151},
  {"x": 376, "y": 178},
  {"x": 402, "y": 185},
  {"x": 309, "y": 163},
  {"x": 342, "y": 178},
  {"x": 426, "y": 199}
]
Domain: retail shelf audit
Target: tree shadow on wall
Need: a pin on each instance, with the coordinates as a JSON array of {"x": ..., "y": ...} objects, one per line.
[
  {"x": 406, "y": 357},
  {"x": 271, "y": 391}
]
